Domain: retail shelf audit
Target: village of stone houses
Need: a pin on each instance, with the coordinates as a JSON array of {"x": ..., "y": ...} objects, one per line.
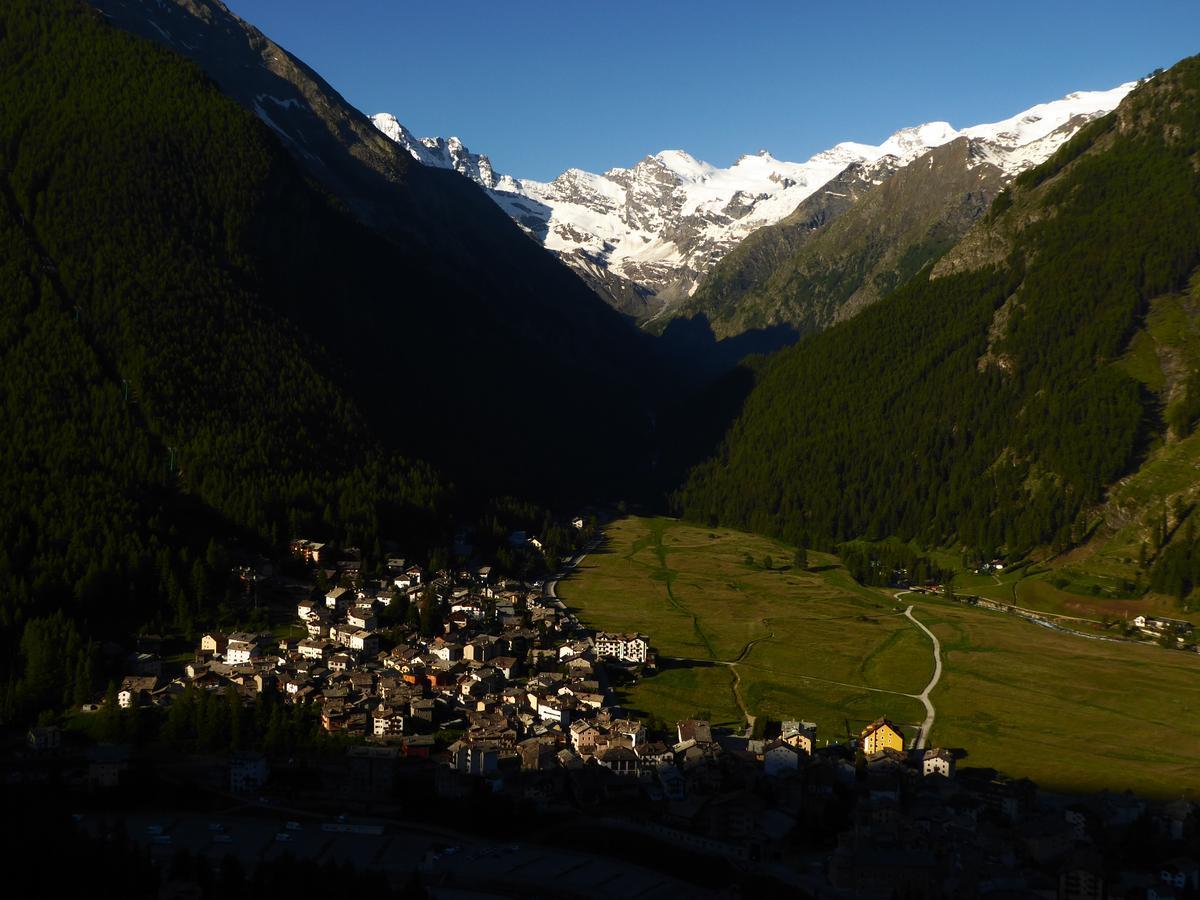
[{"x": 470, "y": 730}]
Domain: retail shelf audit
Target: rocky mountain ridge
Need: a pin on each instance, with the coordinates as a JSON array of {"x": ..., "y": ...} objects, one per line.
[{"x": 645, "y": 236}]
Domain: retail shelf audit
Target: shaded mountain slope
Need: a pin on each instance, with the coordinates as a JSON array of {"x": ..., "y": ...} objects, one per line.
[
  {"x": 461, "y": 326},
  {"x": 164, "y": 393},
  {"x": 737, "y": 293}
]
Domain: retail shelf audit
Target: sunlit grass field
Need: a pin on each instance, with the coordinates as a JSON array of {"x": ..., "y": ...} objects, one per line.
[{"x": 1069, "y": 712}]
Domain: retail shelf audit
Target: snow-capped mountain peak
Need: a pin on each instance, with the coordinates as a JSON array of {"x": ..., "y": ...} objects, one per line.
[
  {"x": 686, "y": 166},
  {"x": 664, "y": 222},
  {"x": 440, "y": 153},
  {"x": 909, "y": 143},
  {"x": 1039, "y": 121},
  {"x": 390, "y": 125}
]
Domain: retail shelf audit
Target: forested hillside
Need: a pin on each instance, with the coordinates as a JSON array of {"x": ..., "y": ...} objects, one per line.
[
  {"x": 201, "y": 349},
  {"x": 156, "y": 404},
  {"x": 464, "y": 337},
  {"x": 987, "y": 404}
]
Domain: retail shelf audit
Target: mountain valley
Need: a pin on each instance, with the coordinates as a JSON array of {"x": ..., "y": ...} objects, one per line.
[{"x": 377, "y": 523}]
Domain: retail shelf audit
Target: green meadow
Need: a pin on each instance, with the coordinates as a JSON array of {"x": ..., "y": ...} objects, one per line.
[{"x": 741, "y": 630}]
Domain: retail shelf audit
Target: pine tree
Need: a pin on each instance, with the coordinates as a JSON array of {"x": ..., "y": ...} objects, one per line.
[
  {"x": 85, "y": 678},
  {"x": 112, "y": 719}
]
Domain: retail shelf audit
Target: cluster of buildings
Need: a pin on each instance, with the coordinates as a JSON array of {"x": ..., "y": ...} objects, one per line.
[
  {"x": 499, "y": 692},
  {"x": 1160, "y": 626},
  {"x": 902, "y": 821},
  {"x": 493, "y": 664}
]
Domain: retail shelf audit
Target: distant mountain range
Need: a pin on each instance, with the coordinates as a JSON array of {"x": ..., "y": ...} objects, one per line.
[{"x": 645, "y": 237}]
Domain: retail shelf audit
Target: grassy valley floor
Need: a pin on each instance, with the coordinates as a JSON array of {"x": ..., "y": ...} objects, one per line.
[{"x": 737, "y": 639}]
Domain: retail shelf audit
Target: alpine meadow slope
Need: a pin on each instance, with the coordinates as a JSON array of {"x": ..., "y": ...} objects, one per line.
[
  {"x": 984, "y": 403},
  {"x": 742, "y": 630}
]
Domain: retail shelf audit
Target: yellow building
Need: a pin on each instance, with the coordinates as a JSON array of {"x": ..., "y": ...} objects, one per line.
[
  {"x": 214, "y": 642},
  {"x": 880, "y": 735}
]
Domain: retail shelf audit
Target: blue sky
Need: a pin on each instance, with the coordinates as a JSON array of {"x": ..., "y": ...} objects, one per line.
[{"x": 543, "y": 86}]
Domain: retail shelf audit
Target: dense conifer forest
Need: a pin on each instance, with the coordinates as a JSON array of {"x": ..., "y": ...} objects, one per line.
[
  {"x": 153, "y": 399},
  {"x": 983, "y": 406}
]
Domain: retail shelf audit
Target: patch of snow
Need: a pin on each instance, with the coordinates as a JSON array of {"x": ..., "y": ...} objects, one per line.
[{"x": 290, "y": 103}]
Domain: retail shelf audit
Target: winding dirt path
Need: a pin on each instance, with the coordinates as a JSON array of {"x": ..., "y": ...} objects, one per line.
[
  {"x": 737, "y": 676},
  {"x": 930, "y": 712},
  {"x": 737, "y": 698},
  {"x": 750, "y": 645}
]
